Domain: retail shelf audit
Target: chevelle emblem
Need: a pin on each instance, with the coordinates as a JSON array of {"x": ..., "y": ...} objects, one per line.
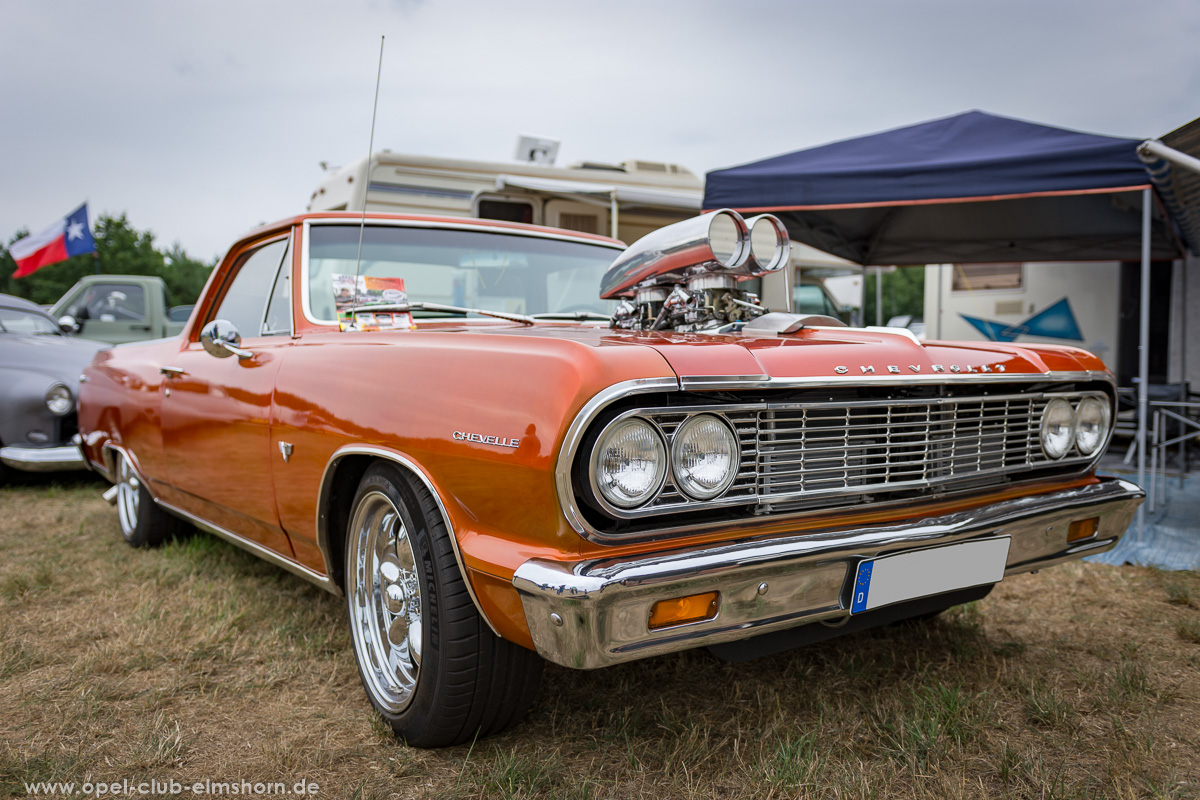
[
  {"x": 499, "y": 441},
  {"x": 869, "y": 369}
]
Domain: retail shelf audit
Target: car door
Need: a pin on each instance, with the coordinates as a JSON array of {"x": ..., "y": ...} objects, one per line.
[
  {"x": 110, "y": 311},
  {"x": 216, "y": 410}
]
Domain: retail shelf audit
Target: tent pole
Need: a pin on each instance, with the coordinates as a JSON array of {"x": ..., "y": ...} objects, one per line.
[
  {"x": 879, "y": 296},
  {"x": 1143, "y": 354}
]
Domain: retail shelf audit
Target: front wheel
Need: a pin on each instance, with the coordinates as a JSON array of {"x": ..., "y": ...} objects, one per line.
[{"x": 429, "y": 663}]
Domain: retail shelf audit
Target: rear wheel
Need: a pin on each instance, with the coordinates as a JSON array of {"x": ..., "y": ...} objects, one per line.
[
  {"x": 429, "y": 663},
  {"x": 143, "y": 523}
]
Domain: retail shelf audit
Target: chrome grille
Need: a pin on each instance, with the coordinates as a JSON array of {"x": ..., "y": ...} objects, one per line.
[
  {"x": 820, "y": 453},
  {"x": 871, "y": 446}
]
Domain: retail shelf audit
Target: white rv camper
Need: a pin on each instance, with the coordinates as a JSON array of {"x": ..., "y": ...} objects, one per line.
[
  {"x": 625, "y": 201},
  {"x": 1092, "y": 305}
]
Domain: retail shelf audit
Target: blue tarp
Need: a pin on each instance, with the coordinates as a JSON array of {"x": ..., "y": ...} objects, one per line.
[
  {"x": 973, "y": 187},
  {"x": 1171, "y": 539}
]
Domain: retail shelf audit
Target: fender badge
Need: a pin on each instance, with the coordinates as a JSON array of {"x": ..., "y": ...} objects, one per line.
[{"x": 499, "y": 441}]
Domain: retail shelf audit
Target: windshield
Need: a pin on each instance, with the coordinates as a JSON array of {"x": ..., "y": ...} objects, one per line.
[
  {"x": 16, "y": 320},
  {"x": 473, "y": 269}
]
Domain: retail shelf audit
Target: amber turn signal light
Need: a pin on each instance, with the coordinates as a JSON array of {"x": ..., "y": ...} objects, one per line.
[
  {"x": 1083, "y": 529},
  {"x": 692, "y": 608}
]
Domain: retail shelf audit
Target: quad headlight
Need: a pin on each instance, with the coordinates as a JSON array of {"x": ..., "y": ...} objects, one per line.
[
  {"x": 1066, "y": 427},
  {"x": 1091, "y": 425},
  {"x": 59, "y": 400},
  {"x": 704, "y": 456},
  {"x": 1058, "y": 428},
  {"x": 629, "y": 463}
]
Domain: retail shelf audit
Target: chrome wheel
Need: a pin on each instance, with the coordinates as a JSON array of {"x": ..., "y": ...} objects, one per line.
[
  {"x": 129, "y": 490},
  {"x": 385, "y": 601}
]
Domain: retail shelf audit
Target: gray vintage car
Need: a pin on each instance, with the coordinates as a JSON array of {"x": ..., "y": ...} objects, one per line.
[{"x": 39, "y": 387}]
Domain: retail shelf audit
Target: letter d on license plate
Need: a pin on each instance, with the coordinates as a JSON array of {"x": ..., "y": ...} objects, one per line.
[{"x": 934, "y": 570}]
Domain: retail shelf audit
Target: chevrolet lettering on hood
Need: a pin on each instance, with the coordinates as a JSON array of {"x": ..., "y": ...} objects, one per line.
[
  {"x": 689, "y": 468},
  {"x": 869, "y": 369}
]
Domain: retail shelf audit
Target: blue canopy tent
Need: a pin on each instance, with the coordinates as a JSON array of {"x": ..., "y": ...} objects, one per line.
[
  {"x": 969, "y": 188},
  {"x": 975, "y": 187}
]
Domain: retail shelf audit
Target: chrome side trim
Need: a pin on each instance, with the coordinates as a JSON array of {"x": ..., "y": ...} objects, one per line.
[
  {"x": 569, "y": 448},
  {"x": 594, "y": 613},
  {"x": 254, "y": 548},
  {"x": 409, "y": 465},
  {"x": 566, "y": 452}
]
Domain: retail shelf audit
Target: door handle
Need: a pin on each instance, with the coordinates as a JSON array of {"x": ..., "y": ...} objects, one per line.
[
  {"x": 171, "y": 371},
  {"x": 139, "y": 327}
]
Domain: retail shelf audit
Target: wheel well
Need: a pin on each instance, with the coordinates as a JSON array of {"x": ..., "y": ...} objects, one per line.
[{"x": 347, "y": 474}]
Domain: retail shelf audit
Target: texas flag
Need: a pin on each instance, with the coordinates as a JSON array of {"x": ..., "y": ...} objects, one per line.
[{"x": 68, "y": 237}]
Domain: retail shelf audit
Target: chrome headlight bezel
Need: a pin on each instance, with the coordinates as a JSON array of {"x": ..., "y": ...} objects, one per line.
[
  {"x": 59, "y": 400},
  {"x": 684, "y": 482},
  {"x": 604, "y": 490},
  {"x": 1057, "y": 450},
  {"x": 1103, "y": 425}
]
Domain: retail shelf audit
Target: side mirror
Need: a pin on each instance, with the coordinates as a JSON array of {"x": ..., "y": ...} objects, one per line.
[
  {"x": 220, "y": 338},
  {"x": 68, "y": 324}
]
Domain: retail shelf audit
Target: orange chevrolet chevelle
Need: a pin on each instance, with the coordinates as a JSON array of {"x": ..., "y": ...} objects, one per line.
[{"x": 503, "y": 443}]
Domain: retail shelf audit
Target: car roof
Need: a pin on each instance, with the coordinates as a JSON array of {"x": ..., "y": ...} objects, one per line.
[
  {"x": 355, "y": 216},
  {"x": 12, "y": 301}
]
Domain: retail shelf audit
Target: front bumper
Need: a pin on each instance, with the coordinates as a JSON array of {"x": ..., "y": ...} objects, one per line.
[
  {"x": 594, "y": 613},
  {"x": 44, "y": 459}
]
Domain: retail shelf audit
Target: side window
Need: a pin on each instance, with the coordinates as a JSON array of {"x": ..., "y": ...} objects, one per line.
[
  {"x": 247, "y": 296},
  {"x": 110, "y": 302},
  {"x": 279, "y": 307}
]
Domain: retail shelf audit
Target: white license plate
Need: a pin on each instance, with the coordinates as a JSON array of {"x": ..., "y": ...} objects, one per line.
[{"x": 921, "y": 573}]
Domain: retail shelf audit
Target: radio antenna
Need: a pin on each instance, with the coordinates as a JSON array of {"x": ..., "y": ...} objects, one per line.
[{"x": 367, "y": 183}]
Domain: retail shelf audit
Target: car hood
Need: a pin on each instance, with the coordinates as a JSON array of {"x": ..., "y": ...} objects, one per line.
[
  {"x": 822, "y": 352},
  {"x": 59, "y": 357}
]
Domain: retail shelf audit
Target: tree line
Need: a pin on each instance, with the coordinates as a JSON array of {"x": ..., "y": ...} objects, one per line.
[{"x": 121, "y": 249}]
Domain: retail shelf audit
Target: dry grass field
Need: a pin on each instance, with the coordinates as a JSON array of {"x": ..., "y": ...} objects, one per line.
[{"x": 198, "y": 662}]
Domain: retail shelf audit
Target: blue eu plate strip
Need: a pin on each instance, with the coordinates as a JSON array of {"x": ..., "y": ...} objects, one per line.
[{"x": 862, "y": 587}]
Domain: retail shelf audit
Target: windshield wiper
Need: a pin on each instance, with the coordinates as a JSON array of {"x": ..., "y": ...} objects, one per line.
[
  {"x": 402, "y": 307},
  {"x": 579, "y": 315}
]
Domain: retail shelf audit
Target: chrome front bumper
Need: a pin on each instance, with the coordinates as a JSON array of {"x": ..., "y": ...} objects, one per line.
[
  {"x": 594, "y": 613},
  {"x": 44, "y": 459}
]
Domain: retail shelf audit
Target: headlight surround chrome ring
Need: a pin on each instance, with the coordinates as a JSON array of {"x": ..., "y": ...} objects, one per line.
[
  {"x": 1091, "y": 425},
  {"x": 629, "y": 463},
  {"x": 1058, "y": 428},
  {"x": 698, "y": 448},
  {"x": 59, "y": 400}
]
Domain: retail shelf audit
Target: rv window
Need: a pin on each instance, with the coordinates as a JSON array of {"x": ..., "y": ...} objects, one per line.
[
  {"x": 584, "y": 223},
  {"x": 996, "y": 275},
  {"x": 506, "y": 210}
]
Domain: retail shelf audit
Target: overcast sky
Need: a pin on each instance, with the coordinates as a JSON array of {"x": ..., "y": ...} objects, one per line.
[{"x": 203, "y": 119}]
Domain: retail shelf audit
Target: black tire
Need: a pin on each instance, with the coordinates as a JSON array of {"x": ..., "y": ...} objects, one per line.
[
  {"x": 143, "y": 523},
  {"x": 449, "y": 679}
]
